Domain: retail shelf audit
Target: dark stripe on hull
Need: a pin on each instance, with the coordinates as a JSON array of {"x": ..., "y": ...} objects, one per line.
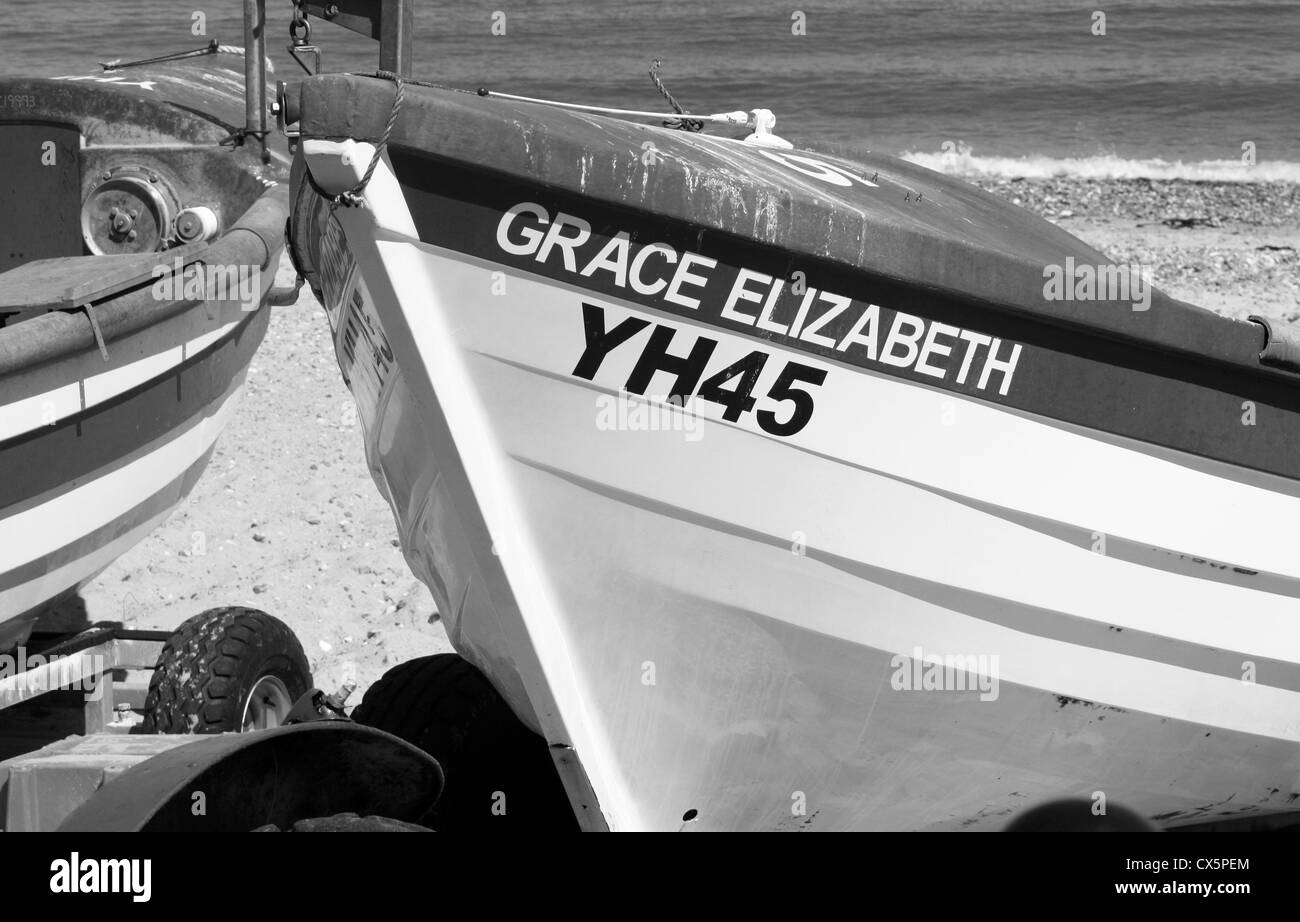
[
  {"x": 164, "y": 500},
  {"x": 62, "y": 456},
  {"x": 1019, "y": 616},
  {"x": 1159, "y": 397},
  {"x": 1117, "y": 546}
]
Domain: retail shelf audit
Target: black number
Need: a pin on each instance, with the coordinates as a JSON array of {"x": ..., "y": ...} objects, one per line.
[
  {"x": 802, "y": 400},
  {"x": 737, "y": 400}
]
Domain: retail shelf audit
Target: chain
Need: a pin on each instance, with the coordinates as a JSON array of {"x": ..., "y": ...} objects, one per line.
[{"x": 299, "y": 22}]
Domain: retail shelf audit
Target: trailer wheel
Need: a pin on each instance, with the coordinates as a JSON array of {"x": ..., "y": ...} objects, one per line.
[
  {"x": 226, "y": 669},
  {"x": 498, "y": 772}
]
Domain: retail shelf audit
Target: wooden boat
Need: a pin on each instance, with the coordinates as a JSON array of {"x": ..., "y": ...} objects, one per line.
[
  {"x": 920, "y": 537},
  {"x": 143, "y": 231}
]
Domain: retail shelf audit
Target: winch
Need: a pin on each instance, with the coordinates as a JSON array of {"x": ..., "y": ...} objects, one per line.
[{"x": 129, "y": 209}]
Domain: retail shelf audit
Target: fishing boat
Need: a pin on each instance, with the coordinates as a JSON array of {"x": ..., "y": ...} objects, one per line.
[
  {"x": 784, "y": 490},
  {"x": 144, "y": 222}
]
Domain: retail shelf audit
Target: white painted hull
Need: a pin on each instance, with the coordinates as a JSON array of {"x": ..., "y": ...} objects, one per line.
[
  {"x": 57, "y": 540},
  {"x": 119, "y": 370},
  {"x": 725, "y": 626}
]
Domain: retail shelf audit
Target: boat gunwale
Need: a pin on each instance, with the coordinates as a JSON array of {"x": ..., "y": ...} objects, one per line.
[
  {"x": 1216, "y": 340},
  {"x": 253, "y": 240}
]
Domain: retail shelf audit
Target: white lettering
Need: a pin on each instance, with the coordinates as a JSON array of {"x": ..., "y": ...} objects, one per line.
[
  {"x": 909, "y": 341},
  {"x": 684, "y": 276},
  {"x": 740, "y": 293},
  {"x": 531, "y": 236},
  {"x": 930, "y": 346},
  {"x": 612, "y": 257},
  {"x": 839, "y": 304},
  {"x": 568, "y": 245},
  {"x": 1007, "y": 366}
]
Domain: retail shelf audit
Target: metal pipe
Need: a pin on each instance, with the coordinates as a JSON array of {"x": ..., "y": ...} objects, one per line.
[
  {"x": 255, "y": 72},
  {"x": 396, "y": 27}
]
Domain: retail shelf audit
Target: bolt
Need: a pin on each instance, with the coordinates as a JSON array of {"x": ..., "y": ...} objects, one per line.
[
  {"x": 131, "y": 236},
  {"x": 106, "y": 175},
  {"x": 331, "y": 11}
]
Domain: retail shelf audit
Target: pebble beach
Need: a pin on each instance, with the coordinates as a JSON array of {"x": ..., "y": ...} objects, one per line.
[{"x": 1229, "y": 247}]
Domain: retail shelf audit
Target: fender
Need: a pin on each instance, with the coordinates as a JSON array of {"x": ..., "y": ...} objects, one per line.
[{"x": 235, "y": 782}]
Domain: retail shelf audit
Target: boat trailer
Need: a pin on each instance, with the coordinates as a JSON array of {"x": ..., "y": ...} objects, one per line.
[{"x": 80, "y": 710}]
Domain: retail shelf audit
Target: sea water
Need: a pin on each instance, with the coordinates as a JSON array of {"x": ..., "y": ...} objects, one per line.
[{"x": 1157, "y": 88}]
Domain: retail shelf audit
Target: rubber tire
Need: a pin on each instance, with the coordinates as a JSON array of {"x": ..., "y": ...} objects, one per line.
[
  {"x": 347, "y": 822},
  {"x": 302, "y": 230},
  {"x": 445, "y": 706},
  {"x": 211, "y": 663}
]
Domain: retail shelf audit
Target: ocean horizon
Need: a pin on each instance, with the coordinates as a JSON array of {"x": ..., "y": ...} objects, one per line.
[{"x": 1171, "y": 89}]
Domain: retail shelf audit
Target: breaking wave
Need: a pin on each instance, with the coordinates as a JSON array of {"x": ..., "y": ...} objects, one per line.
[{"x": 963, "y": 162}]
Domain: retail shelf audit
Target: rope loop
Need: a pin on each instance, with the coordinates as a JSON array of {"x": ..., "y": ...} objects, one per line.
[
  {"x": 684, "y": 124},
  {"x": 352, "y": 197}
]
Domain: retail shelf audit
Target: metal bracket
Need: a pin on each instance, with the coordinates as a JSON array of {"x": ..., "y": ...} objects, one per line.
[
  {"x": 94, "y": 326},
  {"x": 390, "y": 22},
  {"x": 284, "y": 297},
  {"x": 313, "y": 50}
]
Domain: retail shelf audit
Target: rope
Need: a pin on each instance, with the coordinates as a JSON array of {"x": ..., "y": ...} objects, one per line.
[
  {"x": 352, "y": 197},
  {"x": 685, "y": 124},
  {"x": 210, "y": 48},
  {"x": 740, "y": 119}
]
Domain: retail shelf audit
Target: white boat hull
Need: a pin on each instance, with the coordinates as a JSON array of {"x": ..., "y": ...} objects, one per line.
[
  {"x": 58, "y": 539},
  {"x": 737, "y": 628},
  {"x": 132, "y": 278}
]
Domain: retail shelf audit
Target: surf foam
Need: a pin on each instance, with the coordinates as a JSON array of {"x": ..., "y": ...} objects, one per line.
[{"x": 963, "y": 162}]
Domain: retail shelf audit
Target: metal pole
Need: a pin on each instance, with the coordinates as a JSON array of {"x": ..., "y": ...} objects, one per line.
[
  {"x": 255, "y": 72},
  {"x": 396, "y": 26}
]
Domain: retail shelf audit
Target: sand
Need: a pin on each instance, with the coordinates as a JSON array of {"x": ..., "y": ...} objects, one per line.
[{"x": 288, "y": 519}]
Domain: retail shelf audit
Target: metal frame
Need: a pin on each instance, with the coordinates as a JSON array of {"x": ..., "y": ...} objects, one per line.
[
  {"x": 95, "y": 653},
  {"x": 255, "y": 71},
  {"x": 390, "y": 22}
]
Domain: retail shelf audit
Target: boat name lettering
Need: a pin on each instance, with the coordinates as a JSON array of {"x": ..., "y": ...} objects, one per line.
[
  {"x": 730, "y": 386},
  {"x": 360, "y": 328},
  {"x": 786, "y": 311},
  {"x": 336, "y": 264}
]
